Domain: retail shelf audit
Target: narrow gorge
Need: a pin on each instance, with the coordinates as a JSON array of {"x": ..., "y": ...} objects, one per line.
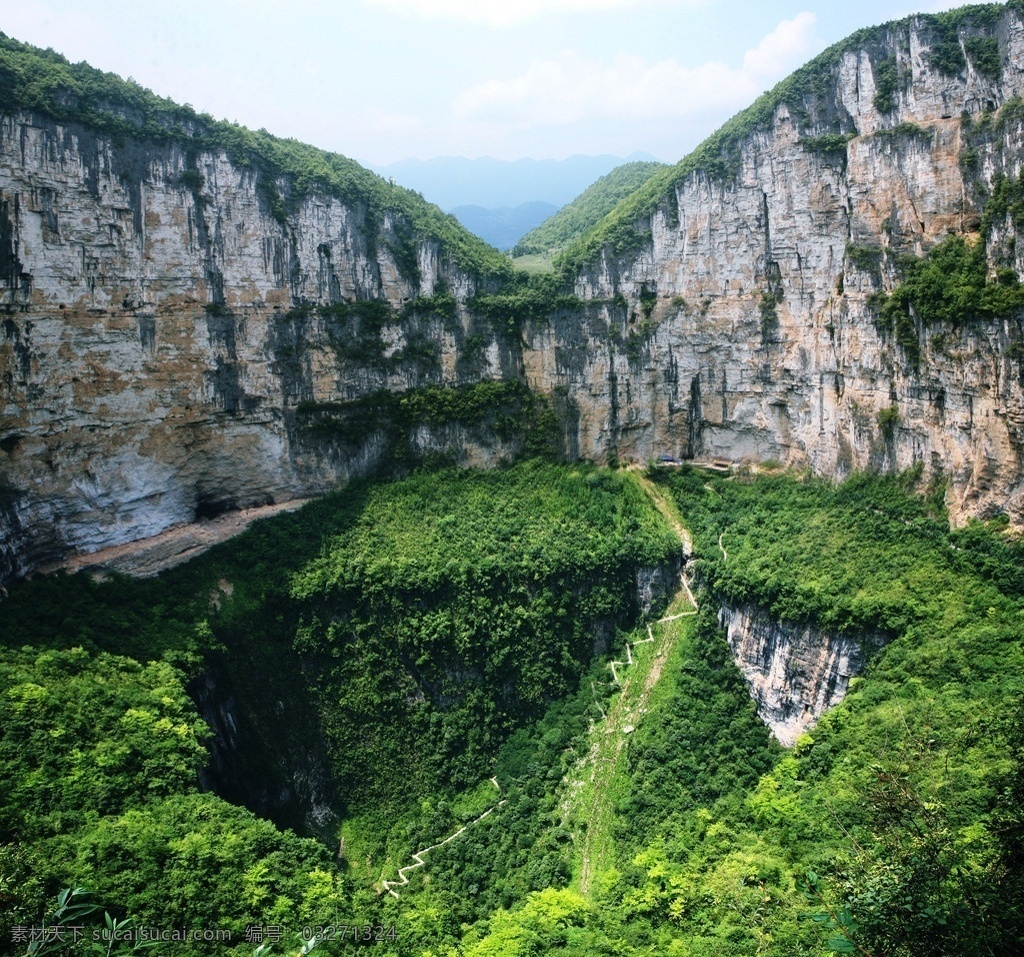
[
  {"x": 191, "y": 327},
  {"x": 663, "y": 601}
]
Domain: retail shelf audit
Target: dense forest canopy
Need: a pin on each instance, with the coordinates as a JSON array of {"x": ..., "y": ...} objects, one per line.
[{"x": 443, "y": 626}]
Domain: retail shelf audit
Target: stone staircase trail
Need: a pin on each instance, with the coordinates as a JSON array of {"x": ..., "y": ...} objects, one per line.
[
  {"x": 417, "y": 857},
  {"x": 660, "y": 502},
  {"x": 630, "y": 645}
]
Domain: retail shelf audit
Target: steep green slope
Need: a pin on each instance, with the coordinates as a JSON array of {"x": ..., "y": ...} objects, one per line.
[
  {"x": 587, "y": 209},
  {"x": 436, "y": 616},
  {"x": 893, "y": 827},
  {"x": 476, "y": 597},
  {"x": 44, "y": 82},
  {"x": 420, "y": 622}
]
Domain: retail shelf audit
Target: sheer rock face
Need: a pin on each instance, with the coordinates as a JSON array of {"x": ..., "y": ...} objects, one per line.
[
  {"x": 795, "y": 673},
  {"x": 715, "y": 371},
  {"x": 151, "y": 369}
]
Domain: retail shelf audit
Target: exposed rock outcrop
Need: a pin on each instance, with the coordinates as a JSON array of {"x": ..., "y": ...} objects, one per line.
[
  {"x": 160, "y": 340},
  {"x": 795, "y": 672},
  {"x": 151, "y": 358},
  {"x": 745, "y": 325}
]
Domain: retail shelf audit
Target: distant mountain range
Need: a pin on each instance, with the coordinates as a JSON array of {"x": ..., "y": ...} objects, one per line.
[
  {"x": 505, "y": 226},
  {"x": 502, "y": 200},
  {"x": 454, "y": 181},
  {"x": 587, "y": 209}
]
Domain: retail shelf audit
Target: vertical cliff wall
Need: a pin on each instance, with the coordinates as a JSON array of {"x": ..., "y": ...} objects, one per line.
[
  {"x": 168, "y": 314},
  {"x": 741, "y": 318},
  {"x": 795, "y": 673},
  {"x": 186, "y": 326}
]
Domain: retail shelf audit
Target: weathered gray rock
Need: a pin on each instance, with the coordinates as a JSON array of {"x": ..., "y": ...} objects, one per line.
[
  {"x": 150, "y": 368},
  {"x": 152, "y": 364},
  {"x": 795, "y": 672},
  {"x": 703, "y": 375}
]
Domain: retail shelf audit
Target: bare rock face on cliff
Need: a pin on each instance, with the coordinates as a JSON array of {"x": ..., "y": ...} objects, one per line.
[
  {"x": 795, "y": 672},
  {"x": 177, "y": 312},
  {"x": 739, "y": 302},
  {"x": 192, "y": 310}
]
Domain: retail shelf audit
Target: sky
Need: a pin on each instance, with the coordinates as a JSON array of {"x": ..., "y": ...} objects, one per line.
[{"x": 386, "y": 80}]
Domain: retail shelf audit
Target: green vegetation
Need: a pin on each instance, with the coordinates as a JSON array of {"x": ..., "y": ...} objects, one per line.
[
  {"x": 45, "y": 82},
  {"x": 445, "y": 625},
  {"x": 502, "y": 409},
  {"x": 948, "y": 286},
  {"x": 768, "y": 307},
  {"x": 865, "y": 258},
  {"x": 886, "y": 85},
  {"x": 907, "y": 131},
  {"x": 891, "y": 828},
  {"x": 888, "y": 419},
  {"x": 488, "y": 606},
  {"x": 807, "y": 94},
  {"x": 442, "y": 613},
  {"x": 826, "y": 143},
  {"x": 439, "y": 647},
  {"x": 538, "y": 300},
  {"x": 983, "y": 52},
  {"x": 100, "y": 753},
  {"x": 592, "y": 205},
  {"x": 946, "y": 53}
]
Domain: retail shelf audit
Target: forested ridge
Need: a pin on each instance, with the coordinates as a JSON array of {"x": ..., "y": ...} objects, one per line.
[{"x": 445, "y": 627}]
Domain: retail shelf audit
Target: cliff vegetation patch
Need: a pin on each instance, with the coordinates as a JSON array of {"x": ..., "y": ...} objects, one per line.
[{"x": 949, "y": 286}]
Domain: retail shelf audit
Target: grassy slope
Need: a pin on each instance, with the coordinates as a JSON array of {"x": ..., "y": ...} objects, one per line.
[{"x": 592, "y": 205}]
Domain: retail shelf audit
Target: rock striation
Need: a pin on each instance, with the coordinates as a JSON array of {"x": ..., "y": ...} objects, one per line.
[
  {"x": 795, "y": 672},
  {"x": 745, "y": 325},
  {"x": 171, "y": 315},
  {"x": 152, "y": 357}
]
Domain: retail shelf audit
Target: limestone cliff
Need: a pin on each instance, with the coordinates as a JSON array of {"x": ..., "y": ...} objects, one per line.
[
  {"x": 160, "y": 332},
  {"x": 187, "y": 325},
  {"x": 795, "y": 673},
  {"x": 743, "y": 323}
]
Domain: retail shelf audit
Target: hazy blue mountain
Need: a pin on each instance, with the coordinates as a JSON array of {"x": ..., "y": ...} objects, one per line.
[
  {"x": 505, "y": 226},
  {"x": 452, "y": 181}
]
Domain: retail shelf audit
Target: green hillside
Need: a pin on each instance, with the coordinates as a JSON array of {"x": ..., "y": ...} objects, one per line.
[
  {"x": 441, "y": 631},
  {"x": 587, "y": 209}
]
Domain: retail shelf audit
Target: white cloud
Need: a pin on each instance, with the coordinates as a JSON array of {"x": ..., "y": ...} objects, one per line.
[
  {"x": 571, "y": 88},
  {"x": 502, "y": 13},
  {"x": 782, "y": 50}
]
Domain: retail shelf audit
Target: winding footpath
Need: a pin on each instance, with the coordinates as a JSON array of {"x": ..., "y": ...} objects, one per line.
[
  {"x": 630, "y": 645},
  {"x": 635, "y": 707},
  {"x": 589, "y": 801},
  {"x": 390, "y": 886}
]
